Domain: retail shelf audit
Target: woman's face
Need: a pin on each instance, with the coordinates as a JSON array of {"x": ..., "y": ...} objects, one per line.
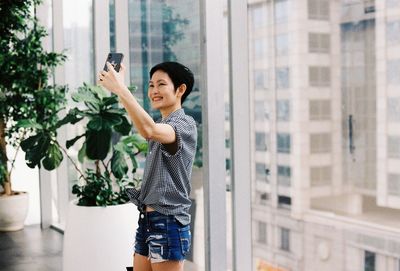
[{"x": 161, "y": 91}]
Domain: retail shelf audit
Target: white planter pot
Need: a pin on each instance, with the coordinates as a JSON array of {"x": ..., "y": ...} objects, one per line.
[
  {"x": 99, "y": 238},
  {"x": 13, "y": 211}
]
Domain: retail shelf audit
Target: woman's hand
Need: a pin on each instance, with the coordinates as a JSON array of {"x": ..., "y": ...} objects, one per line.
[{"x": 112, "y": 80}]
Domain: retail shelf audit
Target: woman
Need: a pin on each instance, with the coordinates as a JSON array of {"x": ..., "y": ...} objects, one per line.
[{"x": 163, "y": 235}]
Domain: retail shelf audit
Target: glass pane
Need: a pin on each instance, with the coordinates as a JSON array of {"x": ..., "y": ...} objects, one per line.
[
  {"x": 170, "y": 31},
  {"x": 332, "y": 141},
  {"x": 79, "y": 68}
]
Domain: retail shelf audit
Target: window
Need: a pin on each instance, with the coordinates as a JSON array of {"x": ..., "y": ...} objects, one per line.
[
  {"x": 260, "y": 79},
  {"x": 320, "y": 176},
  {"x": 258, "y": 16},
  {"x": 282, "y": 44},
  {"x": 284, "y": 174},
  {"x": 320, "y": 109},
  {"x": 262, "y": 232},
  {"x": 282, "y": 78},
  {"x": 260, "y": 111},
  {"x": 319, "y": 76},
  {"x": 283, "y": 143},
  {"x": 285, "y": 239},
  {"x": 393, "y": 32},
  {"x": 261, "y": 172},
  {"x": 283, "y": 110},
  {"x": 262, "y": 198},
  {"x": 320, "y": 143},
  {"x": 318, "y": 10},
  {"x": 284, "y": 202},
  {"x": 369, "y": 261},
  {"x": 394, "y": 185},
  {"x": 393, "y": 107},
  {"x": 281, "y": 11},
  {"x": 319, "y": 43},
  {"x": 393, "y": 147},
  {"x": 393, "y": 71},
  {"x": 261, "y": 141},
  {"x": 260, "y": 48}
]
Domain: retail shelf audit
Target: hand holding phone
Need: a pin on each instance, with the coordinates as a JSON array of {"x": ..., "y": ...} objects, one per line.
[{"x": 115, "y": 60}]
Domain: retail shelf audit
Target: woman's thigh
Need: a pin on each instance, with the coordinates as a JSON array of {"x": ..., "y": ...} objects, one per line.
[
  {"x": 141, "y": 263},
  {"x": 168, "y": 266}
]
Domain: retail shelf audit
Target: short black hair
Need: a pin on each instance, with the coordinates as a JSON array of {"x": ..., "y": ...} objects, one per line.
[{"x": 179, "y": 75}]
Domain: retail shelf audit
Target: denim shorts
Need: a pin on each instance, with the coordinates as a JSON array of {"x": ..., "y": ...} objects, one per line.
[{"x": 162, "y": 238}]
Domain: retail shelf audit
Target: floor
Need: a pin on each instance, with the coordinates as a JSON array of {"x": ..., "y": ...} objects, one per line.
[
  {"x": 34, "y": 249},
  {"x": 31, "y": 249}
]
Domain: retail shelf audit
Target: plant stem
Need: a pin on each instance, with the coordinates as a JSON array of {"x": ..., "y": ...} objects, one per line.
[
  {"x": 15, "y": 156},
  {"x": 73, "y": 162},
  {"x": 3, "y": 158}
]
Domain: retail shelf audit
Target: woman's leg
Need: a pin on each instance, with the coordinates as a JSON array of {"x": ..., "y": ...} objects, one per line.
[
  {"x": 167, "y": 266},
  {"x": 141, "y": 263}
]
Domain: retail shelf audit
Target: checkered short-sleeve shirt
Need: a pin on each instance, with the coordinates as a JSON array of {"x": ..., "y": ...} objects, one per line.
[{"x": 166, "y": 180}]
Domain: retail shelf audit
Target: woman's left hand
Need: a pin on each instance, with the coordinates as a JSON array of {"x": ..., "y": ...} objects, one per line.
[{"x": 111, "y": 79}]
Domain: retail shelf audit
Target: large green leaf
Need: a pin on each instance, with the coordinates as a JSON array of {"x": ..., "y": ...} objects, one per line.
[
  {"x": 35, "y": 152},
  {"x": 118, "y": 164},
  {"x": 98, "y": 144},
  {"x": 53, "y": 157},
  {"x": 71, "y": 142},
  {"x": 73, "y": 116},
  {"x": 29, "y": 123},
  {"x": 82, "y": 153},
  {"x": 84, "y": 95},
  {"x": 96, "y": 123},
  {"x": 124, "y": 127}
]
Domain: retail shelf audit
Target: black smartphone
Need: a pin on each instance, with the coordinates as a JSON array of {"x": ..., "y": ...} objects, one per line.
[{"x": 115, "y": 59}]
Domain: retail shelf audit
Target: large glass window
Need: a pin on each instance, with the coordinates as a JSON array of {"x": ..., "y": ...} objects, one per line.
[
  {"x": 369, "y": 261},
  {"x": 262, "y": 232},
  {"x": 170, "y": 31},
  {"x": 282, "y": 78},
  {"x": 393, "y": 71},
  {"x": 393, "y": 107},
  {"x": 318, "y": 9},
  {"x": 393, "y": 147},
  {"x": 285, "y": 239},
  {"x": 282, "y": 44},
  {"x": 319, "y": 43},
  {"x": 320, "y": 109},
  {"x": 284, "y": 175},
  {"x": 319, "y": 76},
  {"x": 261, "y": 144},
  {"x": 281, "y": 10},
  {"x": 283, "y": 110},
  {"x": 393, "y": 32},
  {"x": 320, "y": 143},
  {"x": 283, "y": 143}
]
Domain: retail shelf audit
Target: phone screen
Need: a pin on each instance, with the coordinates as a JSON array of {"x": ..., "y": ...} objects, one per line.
[{"x": 115, "y": 59}]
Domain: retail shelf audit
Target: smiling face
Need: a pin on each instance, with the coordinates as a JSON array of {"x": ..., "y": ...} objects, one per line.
[{"x": 162, "y": 93}]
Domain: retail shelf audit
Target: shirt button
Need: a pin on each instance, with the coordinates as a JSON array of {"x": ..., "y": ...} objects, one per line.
[
  {"x": 148, "y": 230},
  {"x": 142, "y": 215}
]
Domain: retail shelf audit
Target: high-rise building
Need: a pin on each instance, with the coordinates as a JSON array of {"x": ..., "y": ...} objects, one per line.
[{"x": 324, "y": 81}]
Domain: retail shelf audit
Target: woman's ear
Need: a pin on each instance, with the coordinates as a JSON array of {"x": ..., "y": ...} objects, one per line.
[{"x": 181, "y": 90}]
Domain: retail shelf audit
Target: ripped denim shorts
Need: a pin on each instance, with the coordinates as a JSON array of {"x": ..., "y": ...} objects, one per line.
[{"x": 162, "y": 238}]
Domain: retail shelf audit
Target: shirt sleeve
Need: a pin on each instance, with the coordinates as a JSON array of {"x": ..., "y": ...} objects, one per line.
[{"x": 186, "y": 133}]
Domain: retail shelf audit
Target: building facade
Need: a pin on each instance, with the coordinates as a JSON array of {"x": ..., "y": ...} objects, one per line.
[{"x": 324, "y": 81}]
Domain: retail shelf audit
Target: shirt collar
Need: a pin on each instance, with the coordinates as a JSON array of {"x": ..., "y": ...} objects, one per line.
[{"x": 179, "y": 112}]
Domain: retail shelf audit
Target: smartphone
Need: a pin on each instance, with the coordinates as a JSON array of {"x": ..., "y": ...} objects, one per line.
[{"x": 115, "y": 59}]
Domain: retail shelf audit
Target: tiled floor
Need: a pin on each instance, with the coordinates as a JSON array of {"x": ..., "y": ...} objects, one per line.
[{"x": 31, "y": 249}]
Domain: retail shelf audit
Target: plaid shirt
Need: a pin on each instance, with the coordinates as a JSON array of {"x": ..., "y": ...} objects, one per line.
[{"x": 166, "y": 180}]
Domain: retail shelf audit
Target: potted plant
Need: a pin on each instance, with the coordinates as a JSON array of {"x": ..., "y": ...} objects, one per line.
[
  {"x": 27, "y": 98},
  {"x": 98, "y": 237}
]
